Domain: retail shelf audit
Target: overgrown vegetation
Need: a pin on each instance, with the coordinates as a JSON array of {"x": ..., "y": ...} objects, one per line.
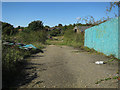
[
  {"x": 36, "y": 34},
  {"x": 106, "y": 79},
  {"x": 12, "y": 55},
  {"x": 74, "y": 39},
  {"x": 69, "y": 37}
]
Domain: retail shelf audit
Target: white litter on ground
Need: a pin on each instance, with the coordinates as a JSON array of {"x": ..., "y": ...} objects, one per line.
[{"x": 99, "y": 62}]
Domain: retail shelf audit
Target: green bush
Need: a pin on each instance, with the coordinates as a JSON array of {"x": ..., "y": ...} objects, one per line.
[
  {"x": 11, "y": 55},
  {"x": 29, "y": 37},
  {"x": 55, "y": 32},
  {"x": 8, "y": 29},
  {"x": 36, "y": 25}
]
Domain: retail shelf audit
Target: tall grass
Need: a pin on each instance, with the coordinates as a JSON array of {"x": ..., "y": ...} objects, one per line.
[
  {"x": 12, "y": 56},
  {"x": 74, "y": 39},
  {"x": 28, "y": 37}
]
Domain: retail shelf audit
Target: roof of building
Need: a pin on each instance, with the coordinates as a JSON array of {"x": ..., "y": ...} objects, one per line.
[{"x": 82, "y": 28}]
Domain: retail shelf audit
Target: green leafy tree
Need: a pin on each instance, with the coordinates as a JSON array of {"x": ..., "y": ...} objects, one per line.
[
  {"x": 7, "y": 29},
  {"x": 74, "y": 25},
  {"x": 47, "y": 26},
  {"x": 60, "y": 25},
  {"x": 55, "y": 32},
  {"x": 65, "y": 27},
  {"x": 18, "y": 27},
  {"x": 36, "y": 25}
]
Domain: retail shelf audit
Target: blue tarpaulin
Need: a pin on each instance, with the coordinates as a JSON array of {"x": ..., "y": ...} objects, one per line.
[
  {"x": 20, "y": 45},
  {"x": 27, "y": 47},
  {"x": 30, "y": 46}
]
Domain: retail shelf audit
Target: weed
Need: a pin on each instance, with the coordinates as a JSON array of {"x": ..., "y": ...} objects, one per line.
[
  {"x": 11, "y": 56},
  {"x": 99, "y": 81},
  {"x": 107, "y": 79},
  {"x": 116, "y": 77}
]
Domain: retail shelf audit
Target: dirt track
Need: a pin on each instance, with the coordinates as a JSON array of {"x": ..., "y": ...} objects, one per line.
[{"x": 63, "y": 67}]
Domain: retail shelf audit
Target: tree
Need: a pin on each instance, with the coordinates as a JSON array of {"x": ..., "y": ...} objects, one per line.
[
  {"x": 74, "y": 25},
  {"x": 65, "y": 27},
  {"x": 55, "y": 32},
  {"x": 18, "y": 27},
  {"x": 113, "y": 5},
  {"x": 60, "y": 25},
  {"x": 7, "y": 29},
  {"x": 47, "y": 26},
  {"x": 36, "y": 25}
]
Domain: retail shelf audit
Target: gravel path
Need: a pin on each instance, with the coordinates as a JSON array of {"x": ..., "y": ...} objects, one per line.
[{"x": 63, "y": 67}]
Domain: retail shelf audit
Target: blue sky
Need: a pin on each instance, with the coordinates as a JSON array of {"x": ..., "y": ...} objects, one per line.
[{"x": 51, "y": 13}]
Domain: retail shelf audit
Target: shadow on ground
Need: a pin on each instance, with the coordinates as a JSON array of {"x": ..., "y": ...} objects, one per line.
[{"x": 21, "y": 77}]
